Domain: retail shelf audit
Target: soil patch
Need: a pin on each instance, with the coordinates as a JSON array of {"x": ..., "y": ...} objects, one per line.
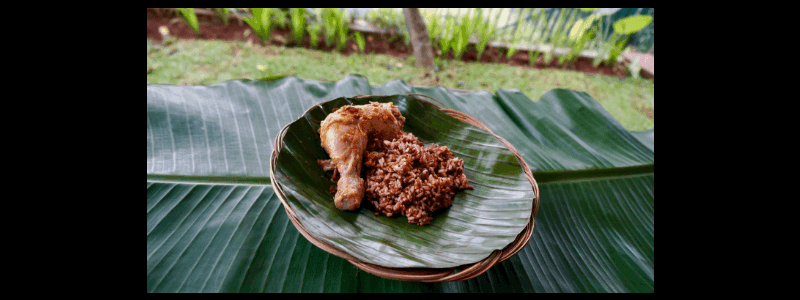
[
  {"x": 213, "y": 28},
  {"x": 643, "y": 109}
]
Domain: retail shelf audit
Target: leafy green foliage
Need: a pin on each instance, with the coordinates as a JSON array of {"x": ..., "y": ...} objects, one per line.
[
  {"x": 279, "y": 17},
  {"x": 191, "y": 19},
  {"x": 632, "y": 24},
  {"x": 613, "y": 46},
  {"x": 336, "y": 27},
  {"x": 448, "y": 35},
  {"x": 512, "y": 47},
  {"x": 435, "y": 27},
  {"x": 617, "y": 47},
  {"x": 261, "y": 22},
  {"x": 580, "y": 27},
  {"x": 560, "y": 36},
  {"x": 461, "y": 37},
  {"x": 298, "y": 16},
  {"x": 548, "y": 30},
  {"x": 533, "y": 56},
  {"x": 341, "y": 29},
  {"x": 486, "y": 31},
  {"x": 582, "y": 41},
  {"x": 622, "y": 30},
  {"x": 391, "y": 19},
  {"x": 386, "y": 18},
  {"x": 360, "y": 41},
  {"x": 581, "y": 34},
  {"x": 330, "y": 21},
  {"x": 313, "y": 33},
  {"x": 224, "y": 14},
  {"x": 556, "y": 29}
]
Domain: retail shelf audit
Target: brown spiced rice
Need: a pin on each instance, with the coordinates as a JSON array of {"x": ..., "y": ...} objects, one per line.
[{"x": 405, "y": 178}]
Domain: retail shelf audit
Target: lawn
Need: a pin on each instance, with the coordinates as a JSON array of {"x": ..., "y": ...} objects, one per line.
[{"x": 201, "y": 62}]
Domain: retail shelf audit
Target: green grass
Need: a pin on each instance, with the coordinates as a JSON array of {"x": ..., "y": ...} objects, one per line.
[{"x": 199, "y": 62}]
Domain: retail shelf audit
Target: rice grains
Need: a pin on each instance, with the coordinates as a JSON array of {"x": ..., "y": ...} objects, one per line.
[{"x": 405, "y": 178}]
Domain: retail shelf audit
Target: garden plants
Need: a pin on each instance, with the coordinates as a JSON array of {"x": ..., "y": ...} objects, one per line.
[
  {"x": 512, "y": 47},
  {"x": 582, "y": 32},
  {"x": 313, "y": 33},
  {"x": 191, "y": 19},
  {"x": 341, "y": 29},
  {"x": 279, "y": 17},
  {"x": 336, "y": 27},
  {"x": 329, "y": 21},
  {"x": 261, "y": 22},
  {"x": 447, "y": 35},
  {"x": 298, "y": 16},
  {"x": 560, "y": 35},
  {"x": 581, "y": 42},
  {"x": 622, "y": 31},
  {"x": 224, "y": 13},
  {"x": 434, "y": 26},
  {"x": 360, "y": 41},
  {"x": 486, "y": 31},
  {"x": 461, "y": 36}
]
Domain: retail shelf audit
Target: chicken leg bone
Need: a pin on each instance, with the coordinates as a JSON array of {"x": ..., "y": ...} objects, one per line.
[{"x": 344, "y": 135}]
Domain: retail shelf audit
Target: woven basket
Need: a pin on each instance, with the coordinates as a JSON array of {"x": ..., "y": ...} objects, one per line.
[{"x": 459, "y": 273}]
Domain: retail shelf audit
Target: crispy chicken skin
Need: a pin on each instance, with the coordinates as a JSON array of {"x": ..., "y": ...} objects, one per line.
[{"x": 344, "y": 135}]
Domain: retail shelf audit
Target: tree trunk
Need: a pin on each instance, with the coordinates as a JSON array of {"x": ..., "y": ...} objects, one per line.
[{"x": 420, "y": 41}]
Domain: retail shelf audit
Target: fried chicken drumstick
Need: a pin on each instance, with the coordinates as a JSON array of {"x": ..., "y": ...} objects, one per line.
[{"x": 344, "y": 135}]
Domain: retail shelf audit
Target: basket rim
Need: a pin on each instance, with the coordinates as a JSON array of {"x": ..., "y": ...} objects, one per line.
[{"x": 459, "y": 273}]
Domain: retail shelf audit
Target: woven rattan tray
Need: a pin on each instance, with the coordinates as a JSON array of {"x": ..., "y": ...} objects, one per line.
[{"x": 459, "y": 273}]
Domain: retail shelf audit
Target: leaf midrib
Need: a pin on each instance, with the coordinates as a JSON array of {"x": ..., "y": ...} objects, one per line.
[
  {"x": 547, "y": 177},
  {"x": 542, "y": 177},
  {"x": 215, "y": 180}
]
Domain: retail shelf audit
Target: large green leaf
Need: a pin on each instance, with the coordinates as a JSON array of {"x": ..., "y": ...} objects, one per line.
[
  {"x": 214, "y": 223},
  {"x": 481, "y": 220}
]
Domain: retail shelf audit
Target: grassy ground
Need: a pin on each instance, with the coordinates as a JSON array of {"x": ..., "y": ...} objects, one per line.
[{"x": 198, "y": 62}]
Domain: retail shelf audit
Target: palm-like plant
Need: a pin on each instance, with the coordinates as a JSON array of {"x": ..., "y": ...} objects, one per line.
[{"x": 298, "y": 16}]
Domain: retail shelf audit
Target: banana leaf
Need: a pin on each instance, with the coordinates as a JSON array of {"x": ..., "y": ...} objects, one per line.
[
  {"x": 214, "y": 223},
  {"x": 480, "y": 221}
]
